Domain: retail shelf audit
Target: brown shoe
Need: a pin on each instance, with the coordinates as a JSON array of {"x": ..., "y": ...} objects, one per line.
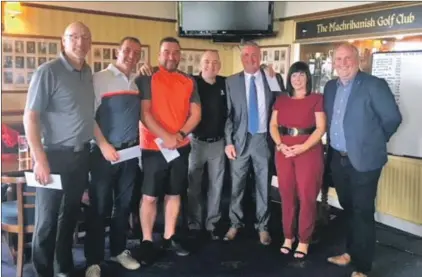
[
  {"x": 358, "y": 274},
  {"x": 341, "y": 260},
  {"x": 231, "y": 234},
  {"x": 264, "y": 238}
]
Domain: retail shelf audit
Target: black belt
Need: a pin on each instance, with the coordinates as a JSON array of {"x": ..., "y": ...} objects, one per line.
[
  {"x": 76, "y": 148},
  {"x": 341, "y": 153},
  {"x": 124, "y": 145},
  {"x": 293, "y": 132},
  {"x": 208, "y": 139}
]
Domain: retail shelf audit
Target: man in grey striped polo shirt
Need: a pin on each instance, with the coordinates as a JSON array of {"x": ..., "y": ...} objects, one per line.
[
  {"x": 118, "y": 110},
  {"x": 59, "y": 123}
]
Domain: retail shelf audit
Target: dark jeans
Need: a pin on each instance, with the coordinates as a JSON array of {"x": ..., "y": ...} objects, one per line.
[
  {"x": 56, "y": 212},
  {"x": 110, "y": 184},
  {"x": 356, "y": 192}
]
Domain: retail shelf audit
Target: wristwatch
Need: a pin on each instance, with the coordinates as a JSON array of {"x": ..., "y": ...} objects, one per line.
[{"x": 183, "y": 134}]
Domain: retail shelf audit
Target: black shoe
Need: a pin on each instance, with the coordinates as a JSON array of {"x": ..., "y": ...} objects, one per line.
[
  {"x": 214, "y": 235},
  {"x": 174, "y": 245},
  {"x": 148, "y": 253},
  {"x": 195, "y": 234}
]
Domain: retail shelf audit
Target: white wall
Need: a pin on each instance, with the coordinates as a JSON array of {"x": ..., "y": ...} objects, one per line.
[
  {"x": 295, "y": 8},
  {"x": 151, "y": 9},
  {"x": 168, "y": 9}
]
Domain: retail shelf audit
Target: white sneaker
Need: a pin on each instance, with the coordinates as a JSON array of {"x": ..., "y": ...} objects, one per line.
[
  {"x": 126, "y": 260},
  {"x": 93, "y": 271}
]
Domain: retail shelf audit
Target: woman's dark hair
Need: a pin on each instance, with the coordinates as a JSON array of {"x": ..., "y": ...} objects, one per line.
[{"x": 299, "y": 67}]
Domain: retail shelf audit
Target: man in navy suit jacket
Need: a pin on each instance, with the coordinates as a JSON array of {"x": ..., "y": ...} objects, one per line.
[{"x": 362, "y": 115}]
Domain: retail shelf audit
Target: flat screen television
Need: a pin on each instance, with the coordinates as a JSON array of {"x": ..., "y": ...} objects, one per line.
[{"x": 225, "y": 19}]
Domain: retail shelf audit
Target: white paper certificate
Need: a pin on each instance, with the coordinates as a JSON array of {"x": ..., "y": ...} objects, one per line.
[
  {"x": 168, "y": 154},
  {"x": 272, "y": 82},
  {"x": 56, "y": 181},
  {"x": 128, "y": 154}
]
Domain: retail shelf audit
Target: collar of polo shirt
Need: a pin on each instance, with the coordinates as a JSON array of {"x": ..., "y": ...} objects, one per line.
[
  {"x": 68, "y": 65},
  {"x": 117, "y": 72},
  {"x": 114, "y": 69}
]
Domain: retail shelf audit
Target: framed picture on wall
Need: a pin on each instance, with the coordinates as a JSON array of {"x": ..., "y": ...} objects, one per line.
[
  {"x": 144, "y": 57},
  {"x": 190, "y": 61},
  {"x": 278, "y": 56},
  {"x": 22, "y": 55},
  {"x": 103, "y": 54}
]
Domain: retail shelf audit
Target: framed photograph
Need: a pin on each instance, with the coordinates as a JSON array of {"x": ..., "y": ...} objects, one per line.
[
  {"x": 100, "y": 56},
  {"x": 190, "y": 61},
  {"x": 103, "y": 54},
  {"x": 21, "y": 57},
  {"x": 145, "y": 58},
  {"x": 278, "y": 57}
]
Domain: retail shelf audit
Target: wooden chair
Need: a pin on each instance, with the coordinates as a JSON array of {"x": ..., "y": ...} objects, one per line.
[{"x": 18, "y": 216}]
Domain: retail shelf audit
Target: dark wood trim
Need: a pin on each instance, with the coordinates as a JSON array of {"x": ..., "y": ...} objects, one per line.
[
  {"x": 12, "y": 112},
  {"x": 275, "y": 46},
  {"x": 105, "y": 43},
  {"x": 29, "y": 36},
  {"x": 14, "y": 91},
  {"x": 350, "y": 10},
  {"x": 115, "y": 44},
  {"x": 87, "y": 11},
  {"x": 52, "y": 37},
  {"x": 196, "y": 49}
]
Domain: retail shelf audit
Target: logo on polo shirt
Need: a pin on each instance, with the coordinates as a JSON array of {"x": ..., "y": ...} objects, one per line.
[{"x": 222, "y": 92}]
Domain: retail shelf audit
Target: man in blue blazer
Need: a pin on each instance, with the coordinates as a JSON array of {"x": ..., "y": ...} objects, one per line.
[{"x": 362, "y": 115}]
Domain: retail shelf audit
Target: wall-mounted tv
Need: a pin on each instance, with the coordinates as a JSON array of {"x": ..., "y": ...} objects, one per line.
[{"x": 225, "y": 19}]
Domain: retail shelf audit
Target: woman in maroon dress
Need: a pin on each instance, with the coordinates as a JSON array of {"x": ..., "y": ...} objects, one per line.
[{"x": 297, "y": 126}]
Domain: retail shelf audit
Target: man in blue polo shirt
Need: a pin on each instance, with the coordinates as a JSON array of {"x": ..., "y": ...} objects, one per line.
[{"x": 117, "y": 127}]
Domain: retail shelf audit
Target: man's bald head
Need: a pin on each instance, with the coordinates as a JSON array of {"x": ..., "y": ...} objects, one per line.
[
  {"x": 76, "y": 27},
  {"x": 76, "y": 40},
  {"x": 210, "y": 54},
  {"x": 210, "y": 64}
]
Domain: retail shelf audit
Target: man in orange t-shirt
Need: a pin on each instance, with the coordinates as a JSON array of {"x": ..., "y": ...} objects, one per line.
[{"x": 170, "y": 111}]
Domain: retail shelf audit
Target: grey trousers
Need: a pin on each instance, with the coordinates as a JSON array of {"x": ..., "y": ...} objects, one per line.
[
  {"x": 257, "y": 152},
  {"x": 212, "y": 154}
]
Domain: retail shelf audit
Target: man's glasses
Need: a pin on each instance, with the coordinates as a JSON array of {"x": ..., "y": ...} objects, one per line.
[{"x": 74, "y": 37}]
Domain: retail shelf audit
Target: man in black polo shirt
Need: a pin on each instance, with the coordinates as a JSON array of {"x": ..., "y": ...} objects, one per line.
[{"x": 208, "y": 146}]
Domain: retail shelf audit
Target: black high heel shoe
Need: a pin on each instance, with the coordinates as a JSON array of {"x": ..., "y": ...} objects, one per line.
[
  {"x": 289, "y": 249},
  {"x": 302, "y": 257}
]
